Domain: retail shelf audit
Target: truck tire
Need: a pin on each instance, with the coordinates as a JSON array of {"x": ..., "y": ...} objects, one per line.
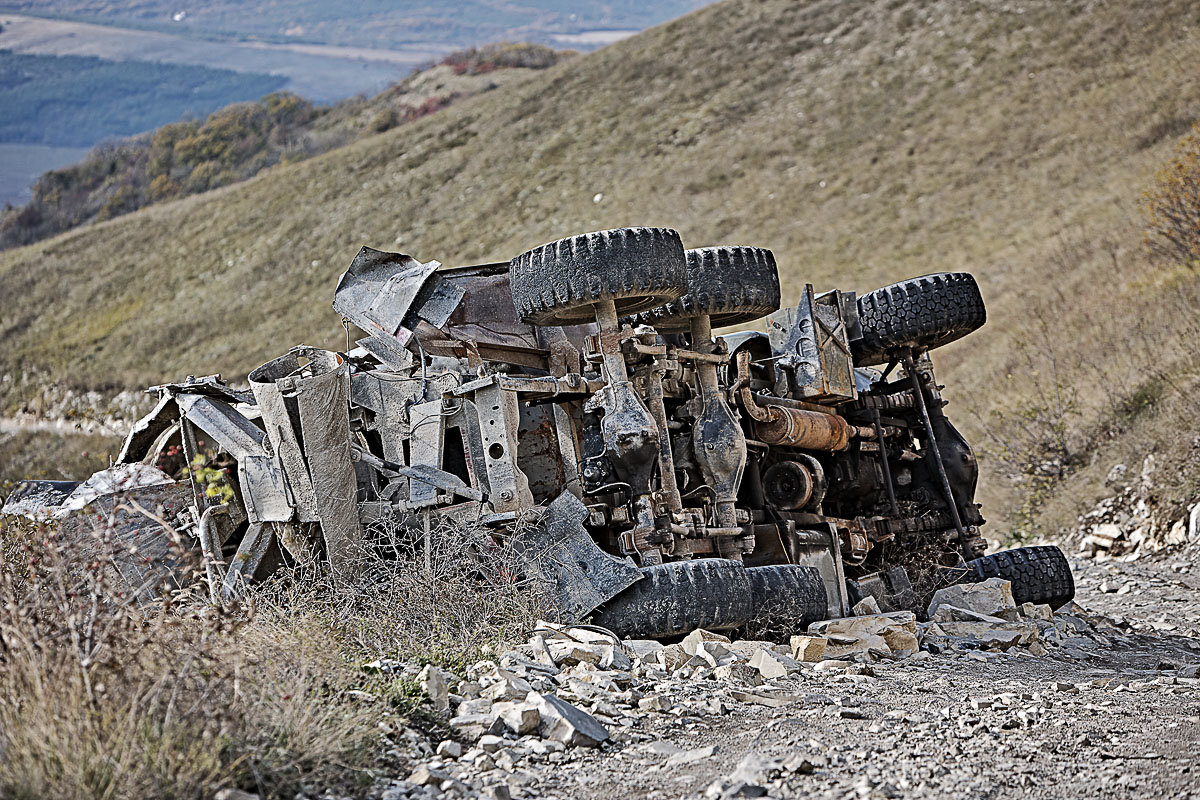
[
  {"x": 787, "y": 598},
  {"x": 921, "y": 313},
  {"x": 733, "y": 285},
  {"x": 678, "y": 597},
  {"x": 637, "y": 268},
  {"x": 1038, "y": 574}
]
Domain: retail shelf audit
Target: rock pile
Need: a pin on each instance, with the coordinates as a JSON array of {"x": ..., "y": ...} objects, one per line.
[
  {"x": 1130, "y": 523},
  {"x": 571, "y": 690}
]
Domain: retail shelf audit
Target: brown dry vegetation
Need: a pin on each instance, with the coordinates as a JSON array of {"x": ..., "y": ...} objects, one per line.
[
  {"x": 862, "y": 141},
  {"x": 104, "y": 698}
]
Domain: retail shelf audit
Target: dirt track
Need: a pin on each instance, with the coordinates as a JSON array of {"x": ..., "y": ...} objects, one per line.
[{"x": 1103, "y": 721}]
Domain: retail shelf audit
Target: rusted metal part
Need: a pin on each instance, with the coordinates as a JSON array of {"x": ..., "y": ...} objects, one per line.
[
  {"x": 718, "y": 444},
  {"x": 790, "y": 427},
  {"x": 666, "y": 460}
]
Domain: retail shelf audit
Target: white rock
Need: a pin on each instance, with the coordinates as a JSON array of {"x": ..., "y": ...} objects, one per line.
[
  {"x": 568, "y": 724},
  {"x": 450, "y": 749},
  {"x": 433, "y": 684},
  {"x": 519, "y": 717},
  {"x": 691, "y": 642},
  {"x": 490, "y": 743},
  {"x": 738, "y": 673},
  {"x": 654, "y": 702},
  {"x": 868, "y": 606},
  {"x": 772, "y": 665},
  {"x": 991, "y": 597}
]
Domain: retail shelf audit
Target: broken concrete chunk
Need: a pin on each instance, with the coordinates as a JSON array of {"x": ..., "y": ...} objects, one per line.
[
  {"x": 565, "y": 723},
  {"x": 808, "y": 648},
  {"x": 991, "y": 597}
]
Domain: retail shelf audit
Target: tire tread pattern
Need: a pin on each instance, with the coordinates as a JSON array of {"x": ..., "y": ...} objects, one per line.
[
  {"x": 557, "y": 283},
  {"x": 787, "y": 597},
  {"x": 923, "y": 313},
  {"x": 733, "y": 285},
  {"x": 1038, "y": 574},
  {"x": 678, "y": 597}
]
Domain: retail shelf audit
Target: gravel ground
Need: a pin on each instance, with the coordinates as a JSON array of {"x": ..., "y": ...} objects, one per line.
[{"x": 1110, "y": 714}]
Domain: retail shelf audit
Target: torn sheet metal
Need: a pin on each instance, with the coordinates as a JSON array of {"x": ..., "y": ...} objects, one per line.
[
  {"x": 566, "y": 563},
  {"x": 388, "y": 294},
  {"x": 38, "y": 500},
  {"x": 304, "y": 397}
]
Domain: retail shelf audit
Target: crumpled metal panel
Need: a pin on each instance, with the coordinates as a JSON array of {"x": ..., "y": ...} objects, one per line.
[
  {"x": 306, "y": 408},
  {"x": 145, "y": 431},
  {"x": 263, "y": 490},
  {"x": 237, "y": 435},
  {"x": 38, "y": 500},
  {"x": 566, "y": 563},
  {"x": 387, "y": 294}
]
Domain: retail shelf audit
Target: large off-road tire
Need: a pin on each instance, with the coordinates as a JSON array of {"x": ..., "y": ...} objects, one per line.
[
  {"x": 678, "y": 597},
  {"x": 787, "y": 598},
  {"x": 1038, "y": 574},
  {"x": 921, "y": 313},
  {"x": 733, "y": 285},
  {"x": 637, "y": 268}
]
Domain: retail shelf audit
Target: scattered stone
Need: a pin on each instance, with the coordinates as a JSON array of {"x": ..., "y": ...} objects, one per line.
[
  {"x": 433, "y": 684},
  {"x": 424, "y": 776},
  {"x": 490, "y": 743},
  {"x": 808, "y": 648},
  {"x": 866, "y": 607},
  {"x": 991, "y": 597},
  {"x": 521, "y": 718},
  {"x": 450, "y": 749},
  {"x": 692, "y": 756},
  {"x": 654, "y": 702},
  {"x": 772, "y": 665},
  {"x": 568, "y": 724}
]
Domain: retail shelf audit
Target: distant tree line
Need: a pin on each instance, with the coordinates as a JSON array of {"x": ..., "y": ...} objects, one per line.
[{"x": 230, "y": 145}]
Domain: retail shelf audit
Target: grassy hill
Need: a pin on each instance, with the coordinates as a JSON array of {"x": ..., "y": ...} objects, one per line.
[{"x": 863, "y": 141}]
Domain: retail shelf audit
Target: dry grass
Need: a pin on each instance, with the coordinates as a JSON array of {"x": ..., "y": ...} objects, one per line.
[
  {"x": 103, "y": 698},
  {"x": 863, "y": 141}
]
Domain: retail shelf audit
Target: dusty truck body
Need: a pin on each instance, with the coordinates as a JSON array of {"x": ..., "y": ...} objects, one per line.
[{"x": 574, "y": 405}]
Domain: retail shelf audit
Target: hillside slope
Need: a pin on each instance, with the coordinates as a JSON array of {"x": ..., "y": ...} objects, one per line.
[{"x": 863, "y": 141}]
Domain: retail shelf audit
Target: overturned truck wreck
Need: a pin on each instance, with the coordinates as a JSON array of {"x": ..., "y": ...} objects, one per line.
[{"x": 575, "y": 404}]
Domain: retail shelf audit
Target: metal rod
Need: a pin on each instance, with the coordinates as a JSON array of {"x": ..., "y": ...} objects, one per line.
[
  {"x": 666, "y": 459},
  {"x": 934, "y": 452},
  {"x": 887, "y": 469}
]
